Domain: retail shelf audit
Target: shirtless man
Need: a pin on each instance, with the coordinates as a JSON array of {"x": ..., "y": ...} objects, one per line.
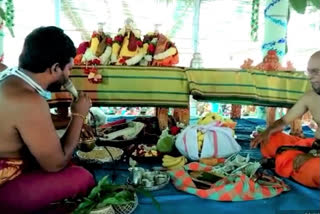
[
  {"x": 27, "y": 132},
  {"x": 300, "y": 165}
]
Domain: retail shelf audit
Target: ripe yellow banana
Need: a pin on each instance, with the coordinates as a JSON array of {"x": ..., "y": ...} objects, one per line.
[
  {"x": 170, "y": 163},
  {"x": 176, "y": 163},
  {"x": 168, "y": 157},
  {"x": 179, "y": 164}
]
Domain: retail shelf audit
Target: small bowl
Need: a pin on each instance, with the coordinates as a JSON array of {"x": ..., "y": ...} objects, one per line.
[{"x": 87, "y": 145}]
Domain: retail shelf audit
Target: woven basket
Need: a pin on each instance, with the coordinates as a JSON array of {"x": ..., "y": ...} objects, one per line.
[
  {"x": 103, "y": 210},
  {"x": 126, "y": 208}
]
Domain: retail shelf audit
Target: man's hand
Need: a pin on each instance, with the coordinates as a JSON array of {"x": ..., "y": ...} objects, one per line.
[
  {"x": 82, "y": 105},
  {"x": 300, "y": 160},
  {"x": 261, "y": 138}
]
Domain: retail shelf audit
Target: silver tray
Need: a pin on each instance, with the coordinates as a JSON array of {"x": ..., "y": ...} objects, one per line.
[
  {"x": 106, "y": 159},
  {"x": 153, "y": 188}
]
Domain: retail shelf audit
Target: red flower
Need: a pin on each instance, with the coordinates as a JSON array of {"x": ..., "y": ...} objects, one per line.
[
  {"x": 94, "y": 34},
  {"x": 139, "y": 43},
  {"x": 118, "y": 39},
  {"x": 272, "y": 52},
  {"x": 96, "y": 62},
  {"x": 174, "y": 130},
  {"x": 122, "y": 61},
  {"x": 89, "y": 70},
  {"x": 109, "y": 41},
  {"x": 95, "y": 78},
  {"x": 151, "y": 49}
]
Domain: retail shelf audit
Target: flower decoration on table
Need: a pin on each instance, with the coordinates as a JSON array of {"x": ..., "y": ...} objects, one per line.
[
  {"x": 270, "y": 63},
  {"x": 127, "y": 47},
  {"x": 95, "y": 52},
  {"x": 161, "y": 51},
  {"x": 91, "y": 69},
  {"x": 98, "y": 48}
]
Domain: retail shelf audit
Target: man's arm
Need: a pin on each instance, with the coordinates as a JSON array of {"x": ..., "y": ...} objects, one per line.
[
  {"x": 295, "y": 112},
  {"x": 38, "y": 133}
]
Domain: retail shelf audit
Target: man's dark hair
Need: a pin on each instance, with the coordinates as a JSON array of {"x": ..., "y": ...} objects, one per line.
[{"x": 45, "y": 46}]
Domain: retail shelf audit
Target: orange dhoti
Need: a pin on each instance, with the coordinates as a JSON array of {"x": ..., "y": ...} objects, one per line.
[
  {"x": 309, "y": 172},
  {"x": 9, "y": 169}
]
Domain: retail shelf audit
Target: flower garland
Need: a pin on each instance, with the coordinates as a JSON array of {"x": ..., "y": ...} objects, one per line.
[
  {"x": 8, "y": 15},
  {"x": 255, "y": 20}
]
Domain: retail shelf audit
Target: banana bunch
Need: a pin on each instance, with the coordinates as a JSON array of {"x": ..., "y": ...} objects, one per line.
[
  {"x": 173, "y": 162},
  {"x": 209, "y": 117},
  {"x": 200, "y": 137}
]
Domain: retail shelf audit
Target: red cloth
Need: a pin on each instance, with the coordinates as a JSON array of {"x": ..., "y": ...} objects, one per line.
[
  {"x": 117, "y": 122},
  {"x": 308, "y": 174},
  {"x": 35, "y": 190}
]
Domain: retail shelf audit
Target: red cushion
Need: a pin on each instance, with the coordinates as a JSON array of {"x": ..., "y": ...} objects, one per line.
[{"x": 35, "y": 190}]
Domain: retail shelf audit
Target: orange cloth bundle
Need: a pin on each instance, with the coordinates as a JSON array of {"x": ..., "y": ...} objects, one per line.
[
  {"x": 9, "y": 169},
  {"x": 307, "y": 174}
]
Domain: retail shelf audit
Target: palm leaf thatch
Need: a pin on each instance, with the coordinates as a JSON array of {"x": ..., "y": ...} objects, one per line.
[{"x": 75, "y": 19}]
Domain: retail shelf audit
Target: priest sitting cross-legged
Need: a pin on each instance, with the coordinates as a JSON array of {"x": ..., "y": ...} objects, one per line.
[
  {"x": 35, "y": 168},
  {"x": 293, "y": 156}
]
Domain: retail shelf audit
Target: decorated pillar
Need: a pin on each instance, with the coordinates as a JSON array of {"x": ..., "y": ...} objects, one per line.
[
  {"x": 275, "y": 25},
  {"x": 275, "y": 35},
  {"x": 196, "y": 61},
  {"x": 57, "y": 9}
]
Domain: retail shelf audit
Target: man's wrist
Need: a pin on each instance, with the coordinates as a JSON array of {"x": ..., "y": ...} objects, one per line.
[{"x": 77, "y": 115}]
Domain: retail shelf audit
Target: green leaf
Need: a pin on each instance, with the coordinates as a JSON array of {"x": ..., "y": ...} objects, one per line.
[
  {"x": 112, "y": 201},
  {"x": 315, "y": 3},
  {"x": 299, "y": 5},
  {"x": 2, "y": 14},
  {"x": 149, "y": 195},
  {"x": 84, "y": 207},
  {"x": 94, "y": 192},
  {"x": 126, "y": 195},
  {"x": 103, "y": 181}
]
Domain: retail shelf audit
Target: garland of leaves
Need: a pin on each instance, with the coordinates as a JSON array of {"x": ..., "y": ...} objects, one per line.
[
  {"x": 255, "y": 20},
  {"x": 7, "y": 15}
]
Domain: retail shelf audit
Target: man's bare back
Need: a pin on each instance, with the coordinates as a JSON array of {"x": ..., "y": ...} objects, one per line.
[{"x": 15, "y": 94}]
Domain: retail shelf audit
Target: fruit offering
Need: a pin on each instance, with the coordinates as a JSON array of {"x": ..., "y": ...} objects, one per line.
[
  {"x": 173, "y": 162},
  {"x": 143, "y": 150}
]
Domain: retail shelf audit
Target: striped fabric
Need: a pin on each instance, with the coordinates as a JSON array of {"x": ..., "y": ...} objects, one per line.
[
  {"x": 133, "y": 86},
  {"x": 231, "y": 188},
  {"x": 266, "y": 88},
  {"x": 171, "y": 86}
]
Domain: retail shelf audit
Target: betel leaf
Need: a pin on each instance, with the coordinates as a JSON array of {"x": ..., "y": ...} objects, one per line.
[
  {"x": 149, "y": 195},
  {"x": 122, "y": 197},
  {"x": 126, "y": 195},
  {"x": 94, "y": 192},
  {"x": 103, "y": 181},
  {"x": 83, "y": 207},
  {"x": 316, "y": 3},
  {"x": 112, "y": 201},
  {"x": 299, "y": 5}
]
